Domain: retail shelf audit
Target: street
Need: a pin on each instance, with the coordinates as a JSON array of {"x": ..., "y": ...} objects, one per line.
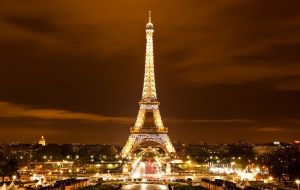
[{"x": 144, "y": 187}]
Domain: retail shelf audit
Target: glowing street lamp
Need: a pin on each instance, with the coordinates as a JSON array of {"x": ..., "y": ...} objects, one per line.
[
  {"x": 271, "y": 180},
  {"x": 297, "y": 182},
  {"x": 257, "y": 169}
]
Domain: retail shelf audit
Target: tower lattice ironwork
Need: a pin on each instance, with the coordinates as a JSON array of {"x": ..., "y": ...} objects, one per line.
[{"x": 148, "y": 125}]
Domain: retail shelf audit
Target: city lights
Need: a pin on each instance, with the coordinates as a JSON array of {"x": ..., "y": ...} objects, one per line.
[{"x": 227, "y": 75}]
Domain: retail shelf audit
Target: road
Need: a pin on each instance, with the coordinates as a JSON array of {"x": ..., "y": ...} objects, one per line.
[{"x": 144, "y": 187}]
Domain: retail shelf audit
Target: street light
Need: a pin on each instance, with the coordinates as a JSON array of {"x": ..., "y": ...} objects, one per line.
[
  {"x": 297, "y": 182},
  {"x": 232, "y": 164},
  {"x": 271, "y": 180}
]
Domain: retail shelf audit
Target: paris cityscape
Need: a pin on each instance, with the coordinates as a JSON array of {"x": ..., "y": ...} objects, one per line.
[{"x": 150, "y": 95}]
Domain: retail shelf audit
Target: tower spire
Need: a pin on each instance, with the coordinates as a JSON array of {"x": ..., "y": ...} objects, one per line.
[
  {"x": 149, "y": 16},
  {"x": 149, "y": 89}
]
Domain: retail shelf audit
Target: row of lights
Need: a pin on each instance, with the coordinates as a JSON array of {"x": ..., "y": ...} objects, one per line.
[{"x": 68, "y": 157}]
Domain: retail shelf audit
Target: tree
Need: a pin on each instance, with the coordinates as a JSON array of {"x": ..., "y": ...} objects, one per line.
[{"x": 9, "y": 167}]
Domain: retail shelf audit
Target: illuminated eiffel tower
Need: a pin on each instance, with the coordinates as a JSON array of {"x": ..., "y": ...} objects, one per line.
[{"x": 148, "y": 126}]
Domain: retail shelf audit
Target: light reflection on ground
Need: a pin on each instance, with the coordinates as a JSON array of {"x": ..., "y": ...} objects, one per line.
[{"x": 144, "y": 187}]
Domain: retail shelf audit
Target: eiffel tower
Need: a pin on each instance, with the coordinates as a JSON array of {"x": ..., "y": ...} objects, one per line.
[{"x": 148, "y": 126}]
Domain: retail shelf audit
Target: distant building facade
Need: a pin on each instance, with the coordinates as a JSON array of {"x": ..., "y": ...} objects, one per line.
[{"x": 42, "y": 141}]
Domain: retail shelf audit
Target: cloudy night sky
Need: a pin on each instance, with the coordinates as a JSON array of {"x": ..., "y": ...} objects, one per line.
[{"x": 225, "y": 70}]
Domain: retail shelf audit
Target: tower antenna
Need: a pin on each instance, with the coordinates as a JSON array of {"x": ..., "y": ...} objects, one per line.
[{"x": 149, "y": 16}]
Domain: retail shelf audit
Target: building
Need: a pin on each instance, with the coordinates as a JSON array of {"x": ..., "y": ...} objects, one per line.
[{"x": 42, "y": 141}]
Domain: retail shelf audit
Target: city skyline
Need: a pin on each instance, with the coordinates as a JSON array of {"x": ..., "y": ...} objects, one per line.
[{"x": 74, "y": 74}]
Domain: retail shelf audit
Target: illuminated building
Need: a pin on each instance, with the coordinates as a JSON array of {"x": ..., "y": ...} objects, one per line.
[
  {"x": 269, "y": 148},
  {"x": 148, "y": 126},
  {"x": 42, "y": 141}
]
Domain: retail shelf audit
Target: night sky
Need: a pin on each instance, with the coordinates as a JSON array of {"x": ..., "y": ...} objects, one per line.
[{"x": 225, "y": 70}]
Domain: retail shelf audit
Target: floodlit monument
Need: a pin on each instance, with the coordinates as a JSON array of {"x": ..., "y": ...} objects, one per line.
[
  {"x": 42, "y": 141},
  {"x": 148, "y": 129}
]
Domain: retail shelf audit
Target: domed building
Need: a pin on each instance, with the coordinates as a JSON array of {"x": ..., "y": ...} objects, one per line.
[{"x": 42, "y": 141}]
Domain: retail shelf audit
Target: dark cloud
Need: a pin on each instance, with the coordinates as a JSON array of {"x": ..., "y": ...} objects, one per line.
[{"x": 215, "y": 61}]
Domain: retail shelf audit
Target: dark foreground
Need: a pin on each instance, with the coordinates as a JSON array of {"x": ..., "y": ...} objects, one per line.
[{"x": 142, "y": 186}]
